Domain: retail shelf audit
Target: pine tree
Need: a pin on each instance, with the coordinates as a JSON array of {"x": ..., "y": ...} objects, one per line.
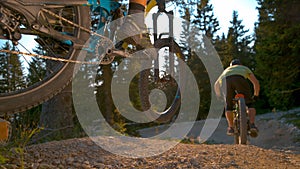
[
  {"x": 11, "y": 74},
  {"x": 205, "y": 19},
  {"x": 191, "y": 42},
  {"x": 238, "y": 42},
  {"x": 221, "y": 47},
  {"x": 277, "y": 51},
  {"x": 104, "y": 97},
  {"x": 3, "y": 73},
  {"x": 187, "y": 35},
  {"x": 36, "y": 71},
  {"x": 57, "y": 113},
  {"x": 191, "y": 5}
]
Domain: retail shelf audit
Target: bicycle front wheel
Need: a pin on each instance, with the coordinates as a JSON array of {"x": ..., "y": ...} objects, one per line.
[
  {"x": 150, "y": 79},
  {"x": 57, "y": 74}
]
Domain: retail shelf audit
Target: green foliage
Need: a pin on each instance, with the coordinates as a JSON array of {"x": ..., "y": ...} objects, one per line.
[
  {"x": 3, "y": 159},
  {"x": 277, "y": 51},
  {"x": 239, "y": 42},
  {"x": 16, "y": 147},
  {"x": 201, "y": 25},
  {"x": 236, "y": 44},
  {"x": 36, "y": 71},
  {"x": 11, "y": 71},
  {"x": 104, "y": 97},
  {"x": 205, "y": 20},
  {"x": 26, "y": 135},
  {"x": 201, "y": 75}
]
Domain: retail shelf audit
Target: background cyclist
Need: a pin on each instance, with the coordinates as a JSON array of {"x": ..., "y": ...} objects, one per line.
[{"x": 235, "y": 77}]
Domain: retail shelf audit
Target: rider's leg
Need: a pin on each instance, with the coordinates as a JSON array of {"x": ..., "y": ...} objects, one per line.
[
  {"x": 134, "y": 30},
  {"x": 252, "y": 113},
  {"x": 229, "y": 117},
  {"x": 134, "y": 23},
  {"x": 228, "y": 96},
  {"x": 253, "y": 128},
  {"x": 142, "y": 2}
]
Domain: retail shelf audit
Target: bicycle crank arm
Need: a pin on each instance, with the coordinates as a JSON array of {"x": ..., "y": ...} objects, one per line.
[
  {"x": 113, "y": 52},
  {"x": 116, "y": 52},
  {"x": 110, "y": 55}
]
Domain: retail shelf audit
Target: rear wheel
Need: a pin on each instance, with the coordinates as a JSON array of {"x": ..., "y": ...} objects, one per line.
[
  {"x": 236, "y": 130},
  {"x": 243, "y": 121},
  {"x": 57, "y": 74}
]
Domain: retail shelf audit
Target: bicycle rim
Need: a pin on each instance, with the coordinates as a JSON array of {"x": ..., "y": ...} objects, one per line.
[{"x": 58, "y": 77}]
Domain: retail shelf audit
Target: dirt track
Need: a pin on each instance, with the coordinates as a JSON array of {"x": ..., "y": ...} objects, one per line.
[
  {"x": 83, "y": 153},
  {"x": 274, "y": 132},
  {"x": 280, "y": 152}
]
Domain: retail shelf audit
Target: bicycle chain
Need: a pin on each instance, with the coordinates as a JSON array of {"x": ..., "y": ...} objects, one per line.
[
  {"x": 63, "y": 59},
  {"x": 78, "y": 26},
  {"x": 48, "y": 57}
]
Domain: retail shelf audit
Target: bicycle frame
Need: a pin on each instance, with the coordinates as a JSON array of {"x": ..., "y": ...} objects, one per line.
[{"x": 31, "y": 10}]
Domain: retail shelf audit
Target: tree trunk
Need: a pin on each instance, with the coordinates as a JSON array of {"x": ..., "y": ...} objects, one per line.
[
  {"x": 57, "y": 115},
  {"x": 107, "y": 75}
]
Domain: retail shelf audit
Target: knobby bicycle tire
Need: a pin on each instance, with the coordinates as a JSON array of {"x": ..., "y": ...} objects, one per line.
[
  {"x": 168, "y": 114},
  {"x": 243, "y": 121},
  {"x": 44, "y": 90}
]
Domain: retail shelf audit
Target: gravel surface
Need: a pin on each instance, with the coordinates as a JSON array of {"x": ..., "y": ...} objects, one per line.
[
  {"x": 84, "y": 153},
  {"x": 275, "y": 148}
]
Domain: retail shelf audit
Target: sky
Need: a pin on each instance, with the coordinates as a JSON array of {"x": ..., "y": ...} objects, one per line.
[
  {"x": 223, "y": 10},
  {"x": 246, "y": 9}
]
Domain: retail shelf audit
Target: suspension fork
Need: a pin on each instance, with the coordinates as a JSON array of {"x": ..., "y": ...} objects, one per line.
[{"x": 162, "y": 8}]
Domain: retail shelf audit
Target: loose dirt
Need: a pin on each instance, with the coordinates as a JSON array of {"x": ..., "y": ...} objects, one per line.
[{"x": 276, "y": 147}]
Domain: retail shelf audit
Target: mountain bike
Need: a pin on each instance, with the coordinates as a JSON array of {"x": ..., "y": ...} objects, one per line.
[{"x": 62, "y": 30}]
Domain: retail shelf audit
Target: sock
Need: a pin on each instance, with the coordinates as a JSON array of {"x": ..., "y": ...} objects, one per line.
[
  {"x": 135, "y": 8},
  {"x": 139, "y": 10}
]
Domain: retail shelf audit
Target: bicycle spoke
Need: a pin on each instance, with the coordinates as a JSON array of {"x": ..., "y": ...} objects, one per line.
[{"x": 59, "y": 40}]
